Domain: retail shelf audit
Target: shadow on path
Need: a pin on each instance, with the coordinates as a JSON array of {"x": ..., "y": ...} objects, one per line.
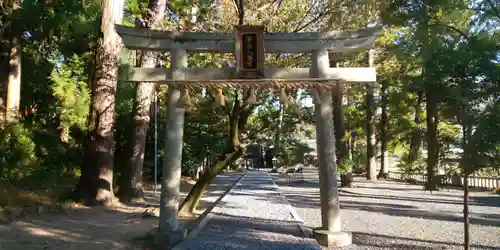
[
  {"x": 254, "y": 216},
  {"x": 252, "y": 233},
  {"x": 389, "y": 242},
  {"x": 347, "y": 193},
  {"x": 490, "y": 201},
  {"x": 311, "y": 200}
]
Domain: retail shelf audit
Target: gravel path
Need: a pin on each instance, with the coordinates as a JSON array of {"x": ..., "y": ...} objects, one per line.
[
  {"x": 390, "y": 215},
  {"x": 253, "y": 215}
]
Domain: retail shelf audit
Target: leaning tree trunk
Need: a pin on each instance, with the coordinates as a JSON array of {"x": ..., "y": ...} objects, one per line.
[
  {"x": 96, "y": 182},
  {"x": 383, "y": 133},
  {"x": 132, "y": 185},
  {"x": 13, "y": 97},
  {"x": 191, "y": 201},
  {"x": 238, "y": 120}
]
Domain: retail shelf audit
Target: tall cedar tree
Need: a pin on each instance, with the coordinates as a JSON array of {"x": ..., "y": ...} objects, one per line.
[
  {"x": 96, "y": 182},
  {"x": 131, "y": 184}
]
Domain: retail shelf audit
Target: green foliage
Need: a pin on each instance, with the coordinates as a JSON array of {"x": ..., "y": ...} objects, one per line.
[
  {"x": 449, "y": 137},
  {"x": 483, "y": 149},
  {"x": 56, "y": 58},
  {"x": 407, "y": 166},
  {"x": 346, "y": 166},
  {"x": 34, "y": 156},
  {"x": 17, "y": 153},
  {"x": 294, "y": 152},
  {"x": 70, "y": 88},
  {"x": 359, "y": 159}
]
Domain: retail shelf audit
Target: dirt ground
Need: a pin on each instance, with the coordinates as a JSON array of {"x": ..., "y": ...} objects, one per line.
[{"x": 96, "y": 228}]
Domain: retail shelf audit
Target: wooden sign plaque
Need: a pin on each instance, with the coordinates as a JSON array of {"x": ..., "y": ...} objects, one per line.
[{"x": 249, "y": 51}]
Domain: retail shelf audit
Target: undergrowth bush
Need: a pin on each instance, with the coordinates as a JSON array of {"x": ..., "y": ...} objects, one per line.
[
  {"x": 407, "y": 167},
  {"x": 17, "y": 152},
  {"x": 346, "y": 166},
  {"x": 34, "y": 158}
]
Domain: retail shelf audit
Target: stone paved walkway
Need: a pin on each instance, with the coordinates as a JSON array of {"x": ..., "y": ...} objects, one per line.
[{"x": 253, "y": 215}]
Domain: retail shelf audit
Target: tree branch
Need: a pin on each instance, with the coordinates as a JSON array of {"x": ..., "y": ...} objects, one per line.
[
  {"x": 304, "y": 18},
  {"x": 449, "y": 27},
  {"x": 314, "y": 20}
]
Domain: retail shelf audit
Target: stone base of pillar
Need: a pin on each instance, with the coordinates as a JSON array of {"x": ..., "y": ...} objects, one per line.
[
  {"x": 332, "y": 239},
  {"x": 167, "y": 240}
]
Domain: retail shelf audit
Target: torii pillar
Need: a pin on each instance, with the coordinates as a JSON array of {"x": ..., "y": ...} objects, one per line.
[
  {"x": 329, "y": 234},
  {"x": 170, "y": 231}
]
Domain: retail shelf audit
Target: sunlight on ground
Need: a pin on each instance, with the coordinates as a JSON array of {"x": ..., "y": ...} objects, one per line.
[{"x": 98, "y": 228}]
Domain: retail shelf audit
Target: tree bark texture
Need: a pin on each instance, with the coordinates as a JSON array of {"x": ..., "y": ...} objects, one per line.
[
  {"x": 132, "y": 186},
  {"x": 371, "y": 163},
  {"x": 383, "y": 133},
  {"x": 13, "y": 98},
  {"x": 96, "y": 182},
  {"x": 4, "y": 66},
  {"x": 339, "y": 123}
]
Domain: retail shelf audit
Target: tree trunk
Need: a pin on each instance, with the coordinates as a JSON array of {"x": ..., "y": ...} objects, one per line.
[
  {"x": 416, "y": 137},
  {"x": 351, "y": 142},
  {"x": 466, "y": 212},
  {"x": 132, "y": 186},
  {"x": 278, "y": 127},
  {"x": 238, "y": 119},
  {"x": 371, "y": 163},
  {"x": 338, "y": 120},
  {"x": 191, "y": 201},
  {"x": 353, "y": 147},
  {"x": 467, "y": 125},
  {"x": 96, "y": 182},
  {"x": 13, "y": 98},
  {"x": 383, "y": 133},
  {"x": 4, "y": 65},
  {"x": 431, "y": 95},
  {"x": 432, "y": 144}
]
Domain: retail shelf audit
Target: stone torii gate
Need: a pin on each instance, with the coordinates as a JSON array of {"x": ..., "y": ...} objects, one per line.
[{"x": 249, "y": 43}]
